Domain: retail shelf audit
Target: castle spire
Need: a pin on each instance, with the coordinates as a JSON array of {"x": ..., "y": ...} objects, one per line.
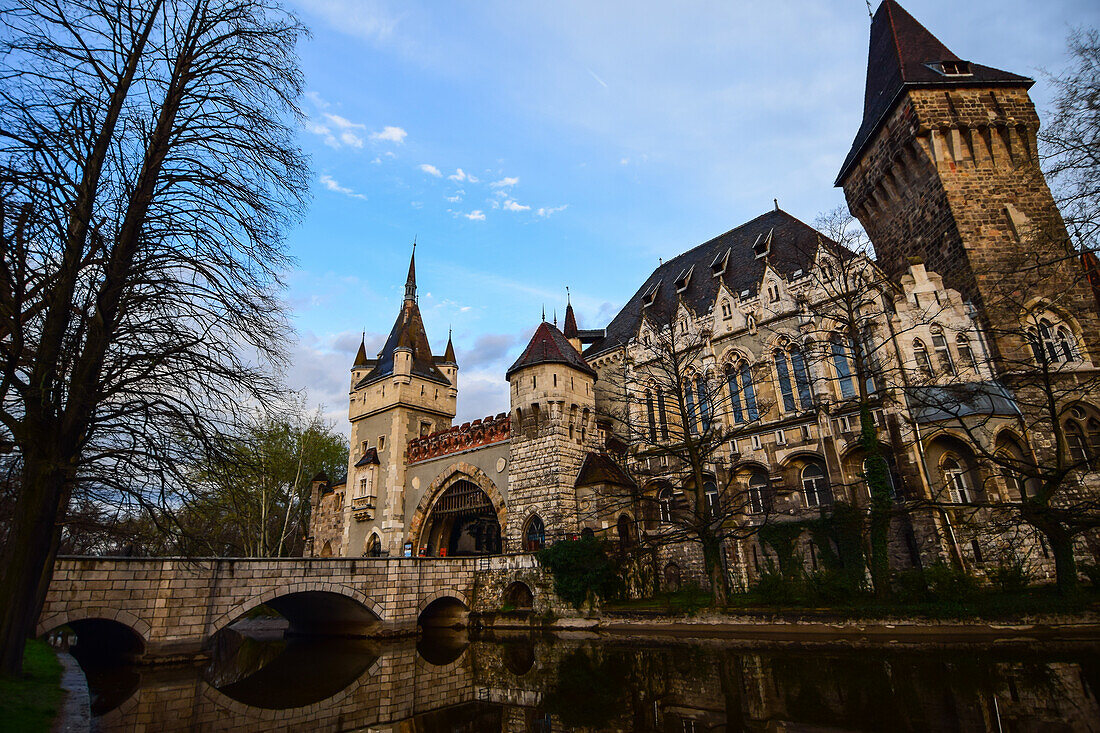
[
  {"x": 570, "y": 326},
  {"x": 410, "y": 281},
  {"x": 361, "y": 355},
  {"x": 449, "y": 354}
]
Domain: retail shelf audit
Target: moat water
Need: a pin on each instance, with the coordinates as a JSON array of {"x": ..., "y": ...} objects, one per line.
[{"x": 454, "y": 681}]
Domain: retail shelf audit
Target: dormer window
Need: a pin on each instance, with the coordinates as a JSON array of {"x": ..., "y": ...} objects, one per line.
[
  {"x": 718, "y": 267},
  {"x": 683, "y": 278},
  {"x": 649, "y": 296},
  {"x": 773, "y": 293},
  {"x": 727, "y": 311},
  {"x": 763, "y": 244},
  {"x": 952, "y": 68}
]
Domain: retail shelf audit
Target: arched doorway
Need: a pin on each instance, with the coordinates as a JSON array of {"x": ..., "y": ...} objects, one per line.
[{"x": 463, "y": 521}]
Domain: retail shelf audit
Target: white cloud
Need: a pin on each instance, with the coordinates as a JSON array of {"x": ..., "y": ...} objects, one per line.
[
  {"x": 511, "y": 205},
  {"x": 624, "y": 161},
  {"x": 471, "y": 179},
  {"x": 457, "y": 196},
  {"x": 504, "y": 182},
  {"x": 318, "y": 102},
  {"x": 323, "y": 132},
  {"x": 458, "y": 175},
  {"x": 333, "y": 185},
  {"x": 431, "y": 170},
  {"x": 545, "y": 212},
  {"x": 390, "y": 134},
  {"x": 350, "y": 138},
  {"x": 343, "y": 122},
  {"x": 476, "y": 215}
]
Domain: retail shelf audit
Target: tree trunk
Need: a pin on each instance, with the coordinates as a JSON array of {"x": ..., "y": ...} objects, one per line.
[
  {"x": 712, "y": 556},
  {"x": 1065, "y": 564},
  {"x": 29, "y": 557},
  {"x": 878, "y": 482}
]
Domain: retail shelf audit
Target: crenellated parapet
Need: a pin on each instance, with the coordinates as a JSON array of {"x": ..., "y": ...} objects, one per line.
[{"x": 460, "y": 438}]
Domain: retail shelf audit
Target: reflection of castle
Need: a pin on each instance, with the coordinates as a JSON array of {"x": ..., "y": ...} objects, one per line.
[
  {"x": 537, "y": 684},
  {"x": 944, "y": 177}
]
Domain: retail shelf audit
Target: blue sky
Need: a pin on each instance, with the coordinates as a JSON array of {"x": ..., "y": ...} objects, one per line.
[{"x": 533, "y": 146}]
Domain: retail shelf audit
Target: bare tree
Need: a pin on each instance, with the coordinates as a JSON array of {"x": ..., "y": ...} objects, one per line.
[
  {"x": 1070, "y": 141},
  {"x": 677, "y": 411},
  {"x": 1037, "y": 468},
  {"x": 148, "y": 172}
]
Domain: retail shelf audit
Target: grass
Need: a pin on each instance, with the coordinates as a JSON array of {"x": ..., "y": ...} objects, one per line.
[
  {"x": 30, "y": 703},
  {"x": 981, "y": 604}
]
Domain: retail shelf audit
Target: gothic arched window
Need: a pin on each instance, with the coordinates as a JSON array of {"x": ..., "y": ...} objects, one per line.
[
  {"x": 664, "y": 504},
  {"x": 702, "y": 385},
  {"x": 958, "y": 482},
  {"x": 966, "y": 354},
  {"x": 790, "y": 364},
  {"x": 1052, "y": 341},
  {"x": 815, "y": 487},
  {"x": 943, "y": 351},
  {"x": 924, "y": 363},
  {"x": 843, "y": 367},
  {"x": 759, "y": 492},
  {"x": 710, "y": 496},
  {"x": 534, "y": 534},
  {"x": 651, "y": 417}
]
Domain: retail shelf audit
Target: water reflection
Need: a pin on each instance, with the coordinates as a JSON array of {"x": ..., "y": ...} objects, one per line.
[{"x": 449, "y": 681}]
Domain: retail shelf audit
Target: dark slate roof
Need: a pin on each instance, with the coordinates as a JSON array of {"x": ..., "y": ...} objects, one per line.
[
  {"x": 900, "y": 52},
  {"x": 570, "y": 329},
  {"x": 549, "y": 346},
  {"x": 370, "y": 457},
  {"x": 408, "y": 333},
  {"x": 449, "y": 352},
  {"x": 599, "y": 468},
  {"x": 793, "y": 246},
  {"x": 361, "y": 355}
]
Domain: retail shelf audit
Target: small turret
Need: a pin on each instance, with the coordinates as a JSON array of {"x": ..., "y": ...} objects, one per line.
[
  {"x": 448, "y": 363},
  {"x": 571, "y": 332},
  {"x": 362, "y": 364}
]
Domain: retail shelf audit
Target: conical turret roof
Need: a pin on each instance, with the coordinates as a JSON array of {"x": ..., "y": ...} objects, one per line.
[
  {"x": 361, "y": 355},
  {"x": 570, "y": 330},
  {"x": 904, "y": 54},
  {"x": 550, "y": 346},
  {"x": 449, "y": 354}
]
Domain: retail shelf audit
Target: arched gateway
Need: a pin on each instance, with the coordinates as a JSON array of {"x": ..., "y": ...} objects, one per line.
[{"x": 462, "y": 521}]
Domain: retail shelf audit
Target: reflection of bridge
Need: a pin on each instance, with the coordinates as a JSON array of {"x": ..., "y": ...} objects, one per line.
[{"x": 177, "y": 604}]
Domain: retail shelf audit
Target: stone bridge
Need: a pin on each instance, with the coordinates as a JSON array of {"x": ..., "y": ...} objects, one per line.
[{"x": 176, "y": 605}]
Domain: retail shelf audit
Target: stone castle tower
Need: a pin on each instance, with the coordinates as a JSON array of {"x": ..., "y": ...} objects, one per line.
[
  {"x": 553, "y": 409},
  {"x": 944, "y": 167},
  {"x": 402, "y": 394}
]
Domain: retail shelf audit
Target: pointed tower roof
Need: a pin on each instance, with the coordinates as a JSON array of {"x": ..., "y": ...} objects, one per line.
[
  {"x": 903, "y": 54},
  {"x": 361, "y": 355},
  {"x": 410, "y": 281},
  {"x": 550, "y": 346},
  {"x": 408, "y": 333},
  {"x": 570, "y": 331},
  {"x": 449, "y": 354}
]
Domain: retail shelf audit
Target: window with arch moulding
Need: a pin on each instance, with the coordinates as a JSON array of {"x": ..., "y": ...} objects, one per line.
[
  {"x": 742, "y": 392},
  {"x": 794, "y": 379},
  {"x": 1052, "y": 341}
]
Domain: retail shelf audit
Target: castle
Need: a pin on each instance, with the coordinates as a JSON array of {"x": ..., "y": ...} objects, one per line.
[{"x": 939, "y": 346}]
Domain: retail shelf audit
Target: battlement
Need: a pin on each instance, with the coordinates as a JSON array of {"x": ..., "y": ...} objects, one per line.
[{"x": 459, "y": 438}]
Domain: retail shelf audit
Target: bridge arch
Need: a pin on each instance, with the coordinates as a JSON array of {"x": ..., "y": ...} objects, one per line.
[
  {"x": 342, "y": 605},
  {"x": 138, "y": 625},
  {"x": 443, "y": 608}
]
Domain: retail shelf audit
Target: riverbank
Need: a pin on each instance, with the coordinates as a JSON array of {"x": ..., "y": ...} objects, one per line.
[{"x": 31, "y": 703}]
